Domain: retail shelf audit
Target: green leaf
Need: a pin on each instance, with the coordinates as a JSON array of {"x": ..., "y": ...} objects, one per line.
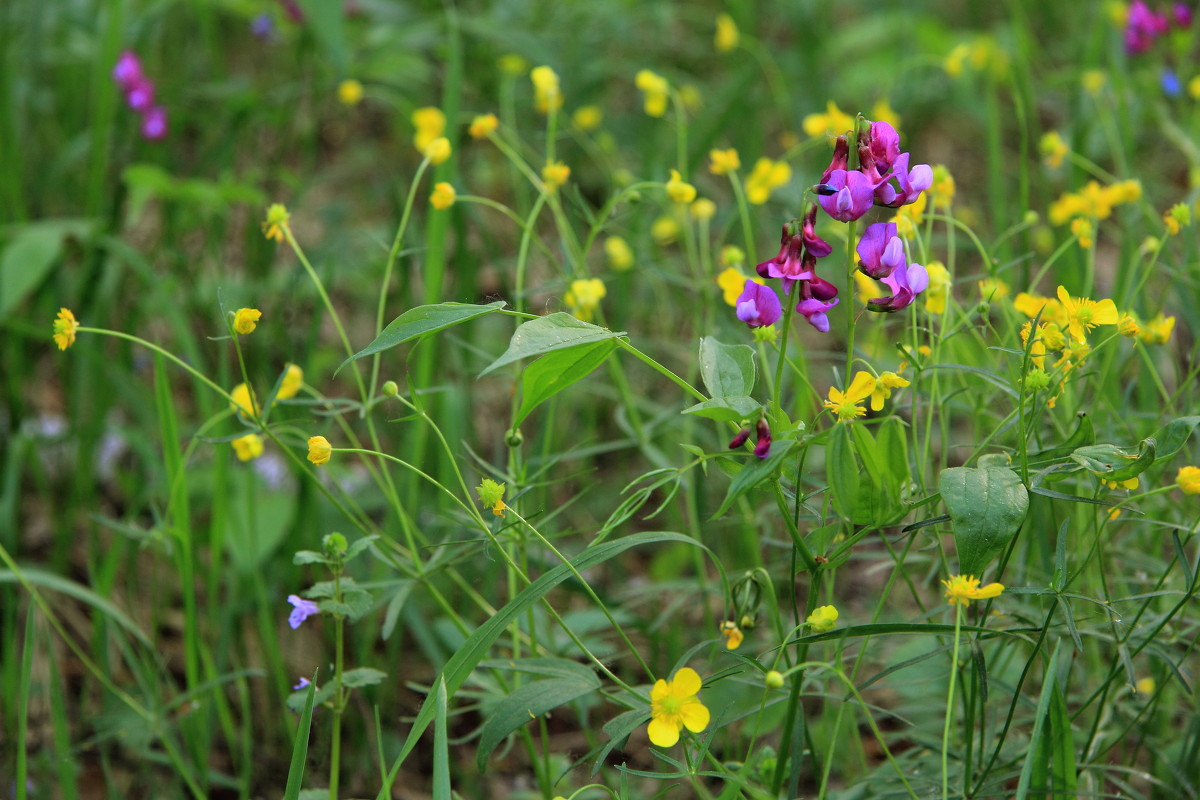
[
  {"x": 987, "y": 505},
  {"x": 363, "y": 676},
  {"x": 618, "y": 729},
  {"x": 841, "y": 470},
  {"x": 1083, "y": 435},
  {"x": 300, "y": 748},
  {"x": 556, "y": 331},
  {"x": 422, "y": 321},
  {"x": 727, "y": 369},
  {"x": 555, "y": 371},
  {"x": 1172, "y": 436},
  {"x": 303, "y": 557},
  {"x": 394, "y": 607},
  {"x": 754, "y": 472},
  {"x": 525, "y": 704},
  {"x": 441, "y": 744},
  {"x": 1049, "y": 767},
  {"x": 326, "y": 21},
  {"x": 549, "y": 667},
  {"x": 30, "y": 255},
  {"x": 727, "y": 409},
  {"x": 1114, "y": 463},
  {"x": 31, "y": 576}
]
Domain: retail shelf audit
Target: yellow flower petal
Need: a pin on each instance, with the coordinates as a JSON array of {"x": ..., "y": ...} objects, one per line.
[
  {"x": 695, "y": 716},
  {"x": 685, "y": 683},
  {"x": 663, "y": 733}
]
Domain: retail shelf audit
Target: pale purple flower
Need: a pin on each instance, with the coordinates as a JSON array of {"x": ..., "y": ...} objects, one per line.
[
  {"x": 128, "y": 70},
  {"x": 814, "y": 311},
  {"x": 906, "y": 283},
  {"x": 846, "y": 196},
  {"x": 139, "y": 94},
  {"x": 758, "y": 306},
  {"x": 911, "y": 183},
  {"x": 302, "y": 611},
  {"x": 880, "y": 251},
  {"x": 301, "y": 684},
  {"x": 263, "y": 27},
  {"x": 154, "y": 123}
]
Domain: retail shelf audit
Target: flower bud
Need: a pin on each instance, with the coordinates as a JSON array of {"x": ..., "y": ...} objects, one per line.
[
  {"x": 514, "y": 438},
  {"x": 335, "y": 544},
  {"x": 773, "y": 679},
  {"x": 390, "y": 389}
]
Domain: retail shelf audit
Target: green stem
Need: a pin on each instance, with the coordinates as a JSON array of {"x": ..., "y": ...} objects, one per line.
[{"x": 950, "y": 704}]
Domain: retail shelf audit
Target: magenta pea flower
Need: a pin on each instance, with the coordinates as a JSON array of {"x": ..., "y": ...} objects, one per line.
[
  {"x": 758, "y": 306},
  {"x": 139, "y": 95},
  {"x": 884, "y": 145},
  {"x": 154, "y": 123},
  {"x": 846, "y": 196},
  {"x": 880, "y": 251},
  {"x": 911, "y": 183},
  {"x": 128, "y": 70},
  {"x": 1182, "y": 13},
  {"x": 762, "y": 444},
  {"x": 303, "y": 609},
  {"x": 906, "y": 283},
  {"x": 814, "y": 245},
  {"x": 814, "y": 310},
  {"x": 793, "y": 262}
]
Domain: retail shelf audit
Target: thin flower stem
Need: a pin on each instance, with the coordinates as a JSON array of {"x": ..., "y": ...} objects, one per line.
[
  {"x": 958, "y": 610},
  {"x": 165, "y": 354},
  {"x": 735, "y": 180},
  {"x": 850, "y": 268},
  {"x": 680, "y": 382}
]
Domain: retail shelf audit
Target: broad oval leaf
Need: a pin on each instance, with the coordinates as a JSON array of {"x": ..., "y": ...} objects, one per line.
[
  {"x": 555, "y": 371},
  {"x": 31, "y": 254},
  {"x": 727, "y": 369},
  {"x": 526, "y": 704},
  {"x": 422, "y": 321},
  {"x": 841, "y": 470},
  {"x": 556, "y": 331},
  {"x": 727, "y": 409},
  {"x": 987, "y": 505}
]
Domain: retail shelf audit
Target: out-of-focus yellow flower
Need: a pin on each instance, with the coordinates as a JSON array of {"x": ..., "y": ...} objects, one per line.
[
  {"x": 690, "y": 95},
  {"x": 584, "y": 297},
  {"x": 1053, "y": 149},
  {"x": 245, "y": 320},
  {"x": 1194, "y": 87},
  {"x": 733, "y": 283},
  {"x": 1145, "y": 686},
  {"x": 722, "y": 162},
  {"x": 1084, "y": 314},
  {"x": 732, "y": 256},
  {"x": 293, "y": 381},
  {"x": 1130, "y": 484},
  {"x": 703, "y": 209},
  {"x": 679, "y": 190},
  {"x": 656, "y": 90},
  {"x": 547, "y": 96},
  {"x": 243, "y": 400},
  {"x": 1084, "y": 232},
  {"x": 1037, "y": 350},
  {"x": 823, "y": 619},
  {"x": 664, "y": 231},
  {"x": 866, "y": 288},
  {"x": 483, "y": 125},
  {"x": 429, "y": 123},
  {"x": 831, "y": 124},
  {"x": 620, "y": 255},
  {"x": 1129, "y": 326},
  {"x": 248, "y": 447},
  {"x": 943, "y": 187},
  {"x": 1093, "y": 81},
  {"x": 277, "y": 222},
  {"x": 1157, "y": 330},
  {"x": 1188, "y": 479},
  {"x": 1030, "y": 304},
  {"x": 512, "y": 64},
  {"x": 962, "y": 589},
  {"x": 727, "y": 36},
  {"x": 674, "y": 706},
  {"x": 587, "y": 118},
  {"x": 908, "y": 218},
  {"x": 956, "y": 59},
  {"x": 350, "y": 92},
  {"x": 846, "y": 404},
  {"x": 882, "y": 111},
  {"x": 65, "y": 326},
  {"x": 442, "y": 196},
  {"x": 938, "y": 290},
  {"x": 1118, "y": 13},
  {"x": 732, "y": 633},
  {"x": 991, "y": 289},
  {"x": 555, "y": 175},
  {"x": 883, "y": 388},
  {"x": 766, "y": 176},
  {"x": 1177, "y": 217},
  {"x": 438, "y": 150},
  {"x": 319, "y": 450}
]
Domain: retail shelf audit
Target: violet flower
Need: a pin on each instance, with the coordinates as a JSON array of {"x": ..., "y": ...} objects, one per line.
[
  {"x": 154, "y": 123},
  {"x": 1182, "y": 14},
  {"x": 758, "y": 306},
  {"x": 884, "y": 143},
  {"x": 302, "y": 611},
  {"x": 763, "y": 438},
  {"x": 139, "y": 95},
  {"x": 911, "y": 183},
  {"x": 301, "y": 684},
  {"x": 263, "y": 27},
  {"x": 906, "y": 283},
  {"x": 880, "y": 251},
  {"x": 740, "y": 438},
  {"x": 1142, "y": 27},
  {"x": 814, "y": 311},
  {"x": 791, "y": 264},
  {"x": 841, "y": 157},
  {"x": 814, "y": 245},
  {"x": 846, "y": 196},
  {"x": 128, "y": 70}
]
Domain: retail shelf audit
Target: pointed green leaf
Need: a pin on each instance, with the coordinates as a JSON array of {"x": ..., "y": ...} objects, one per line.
[
  {"x": 555, "y": 371},
  {"x": 300, "y": 749},
  {"x": 525, "y": 704},
  {"x": 556, "y": 331},
  {"x": 727, "y": 369},
  {"x": 363, "y": 676},
  {"x": 422, "y": 321},
  {"x": 987, "y": 505}
]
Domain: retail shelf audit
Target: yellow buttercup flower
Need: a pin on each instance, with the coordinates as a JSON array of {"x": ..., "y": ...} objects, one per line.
[
  {"x": 733, "y": 634},
  {"x": 547, "y": 95},
  {"x": 846, "y": 404},
  {"x": 319, "y": 450},
  {"x": 1145, "y": 686},
  {"x": 1157, "y": 330},
  {"x": 1128, "y": 326},
  {"x": 674, "y": 706},
  {"x": 555, "y": 175},
  {"x": 245, "y": 320},
  {"x": 248, "y": 447},
  {"x": 766, "y": 176},
  {"x": 587, "y": 118},
  {"x": 1053, "y": 149},
  {"x": 664, "y": 230},
  {"x": 882, "y": 111},
  {"x": 883, "y": 388},
  {"x": 1130, "y": 484},
  {"x": 438, "y": 150},
  {"x": 733, "y": 283},
  {"x": 943, "y": 187},
  {"x": 831, "y": 124},
  {"x": 703, "y": 209},
  {"x": 722, "y": 162},
  {"x": 955, "y": 60},
  {"x": 1051, "y": 310},
  {"x": 65, "y": 326},
  {"x": 866, "y": 287},
  {"x": 442, "y": 196},
  {"x": 293, "y": 380},
  {"x": 726, "y": 37},
  {"x": 1084, "y": 232},
  {"x": 429, "y": 124},
  {"x": 1188, "y": 480},
  {"x": 584, "y": 297},
  {"x": 620, "y": 255},
  {"x": 244, "y": 400},
  {"x": 938, "y": 290},
  {"x": 656, "y": 90},
  {"x": 991, "y": 289},
  {"x": 962, "y": 589},
  {"x": 276, "y": 222},
  {"x": 679, "y": 190},
  {"x": 483, "y": 125},
  {"x": 350, "y": 92},
  {"x": 1093, "y": 81},
  {"x": 1084, "y": 314},
  {"x": 823, "y": 619}
]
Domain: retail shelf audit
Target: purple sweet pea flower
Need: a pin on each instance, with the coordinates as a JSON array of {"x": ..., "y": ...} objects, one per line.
[
  {"x": 814, "y": 245},
  {"x": 762, "y": 444},
  {"x": 841, "y": 157},
  {"x": 911, "y": 183},
  {"x": 880, "y": 251},
  {"x": 791, "y": 264},
  {"x": 758, "y": 306},
  {"x": 906, "y": 284},
  {"x": 1182, "y": 14},
  {"x": 1142, "y": 27},
  {"x": 154, "y": 123},
  {"x": 814, "y": 311},
  {"x": 302, "y": 611},
  {"x": 884, "y": 144},
  {"x": 139, "y": 94},
  {"x": 128, "y": 70},
  {"x": 850, "y": 195}
]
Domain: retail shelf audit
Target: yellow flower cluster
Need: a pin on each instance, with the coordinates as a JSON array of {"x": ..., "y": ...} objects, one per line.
[
  {"x": 722, "y": 162},
  {"x": 732, "y": 282},
  {"x": 679, "y": 190},
  {"x": 1093, "y": 201},
  {"x": 65, "y": 326},
  {"x": 766, "y": 177},
  {"x": 483, "y": 126},
  {"x": 656, "y": 90},
  {"x": 554, "y": 175},
  {"x": 833, "y": 123},
  {"x": 983, "y": 53},
  {"x": 938, "y": 291},
  {"x": 429, "y": 123},
  {"x": 547, "y": 96},
  {"x": 847, "y": 405},
  {"x": 584, "y": 297},
  {"x": 726, "y": 38}
]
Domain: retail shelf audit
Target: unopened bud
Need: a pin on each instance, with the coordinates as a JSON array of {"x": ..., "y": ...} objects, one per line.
[
  {"x": 773, "y": 679},
  {"x": 740, "y": 439},
  {"x": 390, "y": 389},
  {"x": 335, "y": 544},
  {"x": 514, "y": 437}
]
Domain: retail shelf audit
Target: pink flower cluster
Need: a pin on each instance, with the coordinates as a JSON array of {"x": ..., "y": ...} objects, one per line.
[
  {"x": 139, "y": 95},
  {"x": 1143, "y": 25}
]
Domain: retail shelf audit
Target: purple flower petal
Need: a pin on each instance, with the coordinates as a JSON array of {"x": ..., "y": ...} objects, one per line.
[
  {"x": 814, "y": 310},
  {"x": 758, "y": 306},
  {"x": 852, "y": 197},
  {"x": 873, "y": 245},
  {"x": 303, "y": 609}
]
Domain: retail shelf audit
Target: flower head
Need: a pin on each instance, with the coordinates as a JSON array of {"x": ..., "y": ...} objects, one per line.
[
  {"x": 1084, "y": 314},
  {"x": 587, "y": 118},
  {"x": 703, "y": 209},
  {"x": 620, "y": 254},
  {"x": 245, "y": 320},
  {"x": 656, "y": 90},
  {"x": 758, "y": 305},
  {"x": 883, "y": 388},
  {"x": 276, "y": 222},
  {"x": 832, "y": 123},
  {"x": 350, "y": 92},
  {"x": 303, "y": 609},
  {"x": 880, "y": 251},
  {"x": 483, "y": 125},
  {"x": 846, "y": 404},
  {"x": 1053, "y": 149},
  {"x": 722, "y": 162},
  {"x": 938, "y": 290},
  {"x": 244, "y": 400},
  {"x": 65, "y": 326},
  {"x": 1188, "y": 480},
  {"x": 429, "y": 123},
  {"x": 442, "y": 196},
  {"x": 675, "y": 705},
  {"x": 154, "y": 124},
  {"x": 547, "y": 96},
  {"x": 961, "y": 589},
  {"x": 846, "y": 196},
  {"x": 733, "y": 634},
  {"x": 726, "y": 37},
  {"x": 293, "y": 379},
  {"x": 438, "y": 151},
  {"x": 584, "y": 297},
  {"x": 319, "y": 450},
  {"x": 303, "y": 683},
  {"x": 766, "y": 177},
  {"x": 905, "y": 284},
  {"x": 823, "y": 619},
  {"x": 679, "y": 190},
  {"x": 491, "y": 494},
  {"x": 1157, "y": 330},
  {"x": 248, "y": 447},
  {"x": 555, "y": 174}
]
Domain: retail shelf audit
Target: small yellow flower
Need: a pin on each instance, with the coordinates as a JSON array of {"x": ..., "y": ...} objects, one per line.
[
  {"x": 691, "y": 97},
  {"x": 555, "y": 175},
  {"x": 350, "y": 92},
  {"x": 733, "y": 283},
  {"x": 1177, "y": 217},
  {"x": 547, "y": 95},
  {"x": 65, "y": 326},
  {"x": 245, "y": 320},
  {"x": 656, "y": 90},
  {"x": 512, "y": 64},
  {"x": 675, "y": 705},
  {"x": 1188, "y": 480},
  {"x": 248, "y": 447},
  {"x": 1037, "y": 350},
  {"x": 587, "y": 118},
  {"x": 584, "y": 297},
  {"x": 319, "y": 450},
  {"x": 1145, "y": 686},
  {"x": 961, "y": 589},
  {"x": 766, "y": 176},
  {"x": 831, "y": 124},
  {"x": 1093, "y": 81},
  {"x": 938, "y": 291},
  {"x": 244, "y": 400},
  {"x": 442, "y": 196},
  {"x": 883, "y": 388},
  {"x": 429, "y": 124},
  {"x": 908, "y": 218},
  {"x": 943, "y": 187},
  {"x": 866, "y": 288},
  {"x": 1194, "y": 87},
  {"x": 1130, "y": 484},
  {"x": 726, "y": 37},
  {"x": 438, "y": 151},
  {"x": 491, "y": 494},
  {"x": 483, "y": 125},
  {"x": 679, "y": 190},
  {"x": 1128, "y": 326},
  {"x": 664, "y": 231},
  {"x": 1053, "y": 149},
  {"x": 276, "y": 222},
  {"x": 823, "y": 619},
  {"x": 1157, "y": 330},
  {"x": 1084, "y": 314},
  {"x": 293, "y": 380},
  {"x": 620, "y": 255},
  {"x": 1031, "y": 304},
  {"x": 882, "y": 111},
  {"x": 992, "y": 289},
  {"x": 732, "y": 633},
  {"x": 846, "y": 404},
  {"x": 1084, "y": 231},
  {"x": 722, "y": 162},
  {"x": 703, "y": 209},
  {"x": 955, "y": 60}
]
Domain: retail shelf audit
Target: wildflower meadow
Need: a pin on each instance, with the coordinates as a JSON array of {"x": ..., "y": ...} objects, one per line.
[{"x": 599, "y": 400}]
